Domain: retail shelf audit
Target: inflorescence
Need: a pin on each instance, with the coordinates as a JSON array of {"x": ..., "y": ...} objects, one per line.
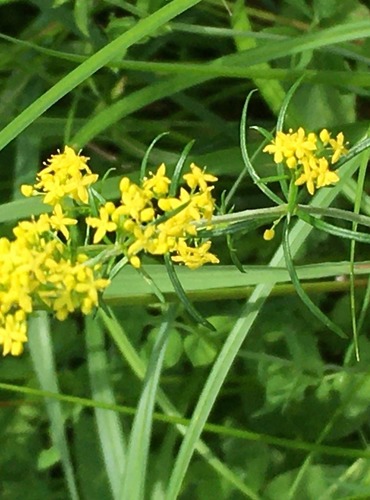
[
  {"x": 62, "y": 260},
  {"x": 43, "y": 266},
  {"x": 308, "y": 157}
]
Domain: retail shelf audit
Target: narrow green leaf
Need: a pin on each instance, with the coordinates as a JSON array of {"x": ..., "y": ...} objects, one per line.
[
  {"x": 247, "y": 162},
  {"x": 182, "y": 295},
  {"x": 300, "y": 292},
  {"x": 143, "y": 167},
  {"x": 109, "y": 427},
  {"x": 43, "y": 361},
  {"x": 175, "y": 181},
  {"x": 133, "y": 485},
  {"x": 334, "y": 230},
  {"x": 136, "y": 364}
]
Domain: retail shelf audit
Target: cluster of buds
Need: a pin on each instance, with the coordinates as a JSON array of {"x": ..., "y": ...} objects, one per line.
[
  {"x": 309, "y": 156},
  {"x": 42, "y": 266}
]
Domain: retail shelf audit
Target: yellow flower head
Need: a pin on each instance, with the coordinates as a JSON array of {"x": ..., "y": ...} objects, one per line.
[
  {"x": 65, "y": 175},
  {"x": 158, "y": 183},
  {"x": 304, "y": 156},
  {"x": 198, "y": 178}
]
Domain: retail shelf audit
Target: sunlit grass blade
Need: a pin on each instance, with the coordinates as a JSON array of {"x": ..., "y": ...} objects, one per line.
[
  {"x": 133, "y": 484},
  {"x": 236, "y": 338},
  {"x": 43, "y": 361},
  {"x": 218, "y": 282},
  {"x": 109, "y": 427},
  {"x": 143, "y": 28}
]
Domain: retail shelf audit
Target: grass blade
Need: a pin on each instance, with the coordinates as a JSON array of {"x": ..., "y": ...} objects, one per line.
[
  {"x": 133, "y": 485},
  {"x": 43, "y": 362},
  {"x": 142, "y": 29},
  {"x": 108, "y": 423}
]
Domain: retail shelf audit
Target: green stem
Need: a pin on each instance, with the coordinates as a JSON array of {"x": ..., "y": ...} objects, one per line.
[{"x": 336, "y": 213}]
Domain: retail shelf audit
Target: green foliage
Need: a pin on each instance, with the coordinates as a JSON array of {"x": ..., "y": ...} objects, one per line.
[{"x": 272, "y": 404}]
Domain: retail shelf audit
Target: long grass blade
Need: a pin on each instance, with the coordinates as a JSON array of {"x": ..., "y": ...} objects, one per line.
[
  {"x": 142, "y": 29},
  {"x": 109, "y": 427},
  {"x": 133, "y": 485},
  {"x": 44, "y": 366}
]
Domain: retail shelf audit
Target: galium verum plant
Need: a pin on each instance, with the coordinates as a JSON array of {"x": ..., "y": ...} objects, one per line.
[{"x": 43, "y": 266}]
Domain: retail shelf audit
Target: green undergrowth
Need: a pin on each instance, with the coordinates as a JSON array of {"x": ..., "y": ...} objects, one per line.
[{"x": 264, "y": 394}]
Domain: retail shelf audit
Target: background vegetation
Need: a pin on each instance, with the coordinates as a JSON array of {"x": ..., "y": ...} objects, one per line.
[{"x": 272, "y": 403}]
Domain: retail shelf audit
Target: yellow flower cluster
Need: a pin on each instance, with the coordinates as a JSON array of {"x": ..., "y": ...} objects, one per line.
[
  {"x": 65, "y": 175},
  {"x": 41, "y": 266},
  {"x": 36, "y": 270},
  {"x": 308, "y": 156},
  {"x": 148, "y": 220}
]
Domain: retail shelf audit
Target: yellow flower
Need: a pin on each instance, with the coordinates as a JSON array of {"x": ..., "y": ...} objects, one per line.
[
  {"x": 303, "y": 145},
  {"x": 13, "y": 333},
  {"x": 59, "y": 222},
  {"x": 308, "y": 176},
  {"x": 198, "y": 178},
  {"x": 102, "y": 223},
  {"x": 65, "y": 175},
  {"x": 338, "y": 147},
  {"x": 194, "y": 257},
  {"x": 27, "y": 190},
  {"x": 158, "y": 183},
  {"x": 325, "y": 177},
  {"x": 324, "y": 136},
  {"x": 299, "y": 152}
]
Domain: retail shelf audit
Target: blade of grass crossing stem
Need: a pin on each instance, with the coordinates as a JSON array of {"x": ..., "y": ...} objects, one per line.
[
  {"x": 133, "y": 485},
  {"x": 237, "y": 336},
  {"x": 110, "y": 433},
  {"x": 300, "y": 292},
  {"x": 142, "y": 29},
  {"x": 137, "y": 365},
  {"x": 292, "y": 444},
  {"x": 44, "y": 366}
]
